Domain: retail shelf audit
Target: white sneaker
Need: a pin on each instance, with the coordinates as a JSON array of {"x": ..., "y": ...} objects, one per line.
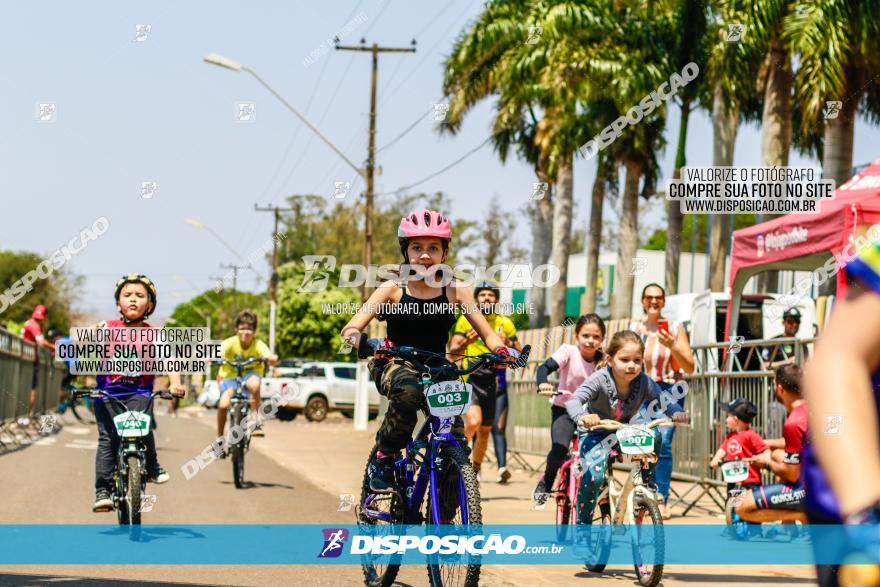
[{"x": 503, "y": 475}]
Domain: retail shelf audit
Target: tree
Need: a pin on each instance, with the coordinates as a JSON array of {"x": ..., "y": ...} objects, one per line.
[
  {"x": 314, "y": 228},
  {"x": 58, "y": 292},
  {"x": 495, "y": 55},
  {"x": 215, "y": 304},
  {"x": 496, "y": 230},
  {"x": 837, "y": 46},
  {"x": 688, "y": 43},
  {"x": 309, "y": 322}
]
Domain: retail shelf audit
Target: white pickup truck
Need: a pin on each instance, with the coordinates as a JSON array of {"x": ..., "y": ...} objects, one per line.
[{"x": 320, "y": 388}]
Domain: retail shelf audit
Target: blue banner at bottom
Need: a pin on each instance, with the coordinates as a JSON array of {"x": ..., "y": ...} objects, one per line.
[{"x": 677, "y": 544}]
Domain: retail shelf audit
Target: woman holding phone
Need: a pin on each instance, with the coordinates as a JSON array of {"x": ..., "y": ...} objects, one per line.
[{"x": 667, "y": 353}]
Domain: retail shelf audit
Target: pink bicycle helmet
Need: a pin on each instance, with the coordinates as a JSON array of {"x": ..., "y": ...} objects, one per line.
[{"x": 424, "y": 223}]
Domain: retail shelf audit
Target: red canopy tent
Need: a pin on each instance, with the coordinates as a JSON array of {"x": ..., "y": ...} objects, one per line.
[{"x": 804, "y": 242}]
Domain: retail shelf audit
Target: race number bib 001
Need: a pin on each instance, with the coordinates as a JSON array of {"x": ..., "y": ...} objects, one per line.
[
  {"x": 734, "y": 471},
  {"x": 448, "y": 399},
  {"x": 635, "y": 441},
  {"x": 132, "y": 424}
]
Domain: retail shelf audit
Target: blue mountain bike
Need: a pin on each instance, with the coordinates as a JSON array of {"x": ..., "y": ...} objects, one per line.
[{"x": 435, "y": 466}]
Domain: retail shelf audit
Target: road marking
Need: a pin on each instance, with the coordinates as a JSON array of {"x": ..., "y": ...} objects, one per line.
[
  {"x": 78, "y": 429},
  {"x": 84, "y": 444},
  {"x": 47, "y": 441}
]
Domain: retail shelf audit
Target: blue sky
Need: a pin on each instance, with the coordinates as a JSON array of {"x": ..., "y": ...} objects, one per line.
[{"x": 131, "y": 112}]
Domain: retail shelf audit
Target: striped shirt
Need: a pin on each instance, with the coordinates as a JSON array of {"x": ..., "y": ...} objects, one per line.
[{"x": 658, "y": 358}]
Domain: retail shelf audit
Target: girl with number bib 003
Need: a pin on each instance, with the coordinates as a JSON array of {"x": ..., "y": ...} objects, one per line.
[{"x": 424, "y": 237}]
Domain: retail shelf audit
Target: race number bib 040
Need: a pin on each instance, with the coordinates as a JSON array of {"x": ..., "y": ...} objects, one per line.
[
  {"x": 448, "y": 399},
  {"x": 734, "y": 471},
  {"x": 635, "y": 441},
  {"x": 132, "y": 424}
]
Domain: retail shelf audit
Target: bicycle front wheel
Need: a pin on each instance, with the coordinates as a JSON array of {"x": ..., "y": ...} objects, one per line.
[
  {"x": 237, "y": 449},
  {"x": 648, "y": 542},
  {"x": 375, "y": 513},
  {"x": 133, "y": 493},
  {"x": 458, "y": 505}
]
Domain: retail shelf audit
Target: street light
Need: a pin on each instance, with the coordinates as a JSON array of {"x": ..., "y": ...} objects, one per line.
[{"x": 227, "y": 63}]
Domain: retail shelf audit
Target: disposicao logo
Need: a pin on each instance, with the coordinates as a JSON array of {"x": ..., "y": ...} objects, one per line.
[{"x": 334, "y": 540}]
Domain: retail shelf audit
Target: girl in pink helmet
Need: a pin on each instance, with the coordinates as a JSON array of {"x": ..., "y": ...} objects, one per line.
[{"x": 424, "y": 315}]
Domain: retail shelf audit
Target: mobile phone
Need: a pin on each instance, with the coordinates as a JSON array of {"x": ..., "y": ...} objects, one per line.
[{"x": 663, "y": 325}]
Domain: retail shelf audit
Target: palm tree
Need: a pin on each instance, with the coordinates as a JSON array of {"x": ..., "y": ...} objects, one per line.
[
  {"x": 689, "y": 46},
  {"x": 838, "y": 50},
  {"x": 731, "y": 70},
  {"x": 526, "y": 77}
]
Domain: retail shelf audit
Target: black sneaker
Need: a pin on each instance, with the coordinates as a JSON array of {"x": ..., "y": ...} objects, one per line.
[
  {"x": 540, "y": 494},
  {"x": 381, "y": 473},
  {"x": 158, "y": 476},
  {"x": 103, "y": 501}
]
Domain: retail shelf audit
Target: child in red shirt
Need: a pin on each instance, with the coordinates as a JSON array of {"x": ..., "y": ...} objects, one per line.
[{"x": 742, "y": 442}]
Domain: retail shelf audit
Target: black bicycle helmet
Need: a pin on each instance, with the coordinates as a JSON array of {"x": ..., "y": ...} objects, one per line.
[
  {"x": 152, "y": 293},
  {"x": 491, "y": 286}
]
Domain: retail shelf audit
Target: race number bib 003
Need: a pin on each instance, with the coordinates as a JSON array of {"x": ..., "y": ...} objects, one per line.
[
  {"x": 132, "y": 424},
  {"x": 448, "y": 399},
  {"x": 734, "y": 471},
  {"x": 635, "y": 441}
]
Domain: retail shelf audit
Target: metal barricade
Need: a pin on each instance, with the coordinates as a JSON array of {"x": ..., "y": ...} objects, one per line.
[
  {"x": 718, "y": 378},
  {"x": 16, "y": 376}
]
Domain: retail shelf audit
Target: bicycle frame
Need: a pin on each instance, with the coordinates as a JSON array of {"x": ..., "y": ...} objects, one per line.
[
  {"x": 621, "y": 501},
  {"x": 433, "y": 434},
  {"x": 566, "y": 472}
]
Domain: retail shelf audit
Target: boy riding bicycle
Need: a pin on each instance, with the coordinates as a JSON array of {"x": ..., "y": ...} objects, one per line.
[
  {"x": 136, "y": 298},
  {"x": 742, "y": 442},
  {"x": 420, "y": 313},
  {"x": 242, "y": 346}
]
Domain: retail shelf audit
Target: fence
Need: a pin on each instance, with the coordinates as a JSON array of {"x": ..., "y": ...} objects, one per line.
[
  {"x": 16, "y": 375},
  {"x": 712, "y": 384}
]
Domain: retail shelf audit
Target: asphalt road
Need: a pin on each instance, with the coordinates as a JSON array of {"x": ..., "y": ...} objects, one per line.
[
  {"x": 297, "y": 474},
  {"x": 52, "y": 482}
]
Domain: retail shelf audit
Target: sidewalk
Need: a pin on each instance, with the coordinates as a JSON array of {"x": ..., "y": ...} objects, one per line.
[{"x": 333, "y": 456}]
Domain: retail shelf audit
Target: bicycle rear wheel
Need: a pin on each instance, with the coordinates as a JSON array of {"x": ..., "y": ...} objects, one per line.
[
  {"x": 648, "y": 543},
  {"x": 237, "y": 450},
  {"x": 374, "y": 511},
  {"x": 459, "y": 506}
]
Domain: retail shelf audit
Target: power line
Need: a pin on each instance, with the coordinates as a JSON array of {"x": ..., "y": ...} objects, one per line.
[
  {"x": 403, "y": 134},
  {"x": 443, "y": 170}
]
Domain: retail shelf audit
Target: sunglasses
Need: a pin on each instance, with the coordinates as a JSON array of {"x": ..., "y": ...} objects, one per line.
[{"x": 658, "y": 298}]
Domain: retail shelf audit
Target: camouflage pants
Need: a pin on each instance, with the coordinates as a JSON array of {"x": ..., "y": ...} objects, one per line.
[{"x": 401, "y": 384}]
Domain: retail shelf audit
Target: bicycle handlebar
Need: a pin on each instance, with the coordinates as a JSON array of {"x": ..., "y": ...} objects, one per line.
[
  {"x": 100, "y": 393},
  {"x": 240, "y": 366},
  {"x": 615, "y": 425},
  {"x": 374, "y": 347},
  {"x": 551, "y": 393}
]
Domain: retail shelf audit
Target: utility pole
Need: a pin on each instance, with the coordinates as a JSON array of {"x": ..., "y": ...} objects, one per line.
[
  {"x": 221, "y": 312},
  {"x": 235, "y": 269},
  {"x": 371, "y": 152},
  {"x": 273, "y": 281}
]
